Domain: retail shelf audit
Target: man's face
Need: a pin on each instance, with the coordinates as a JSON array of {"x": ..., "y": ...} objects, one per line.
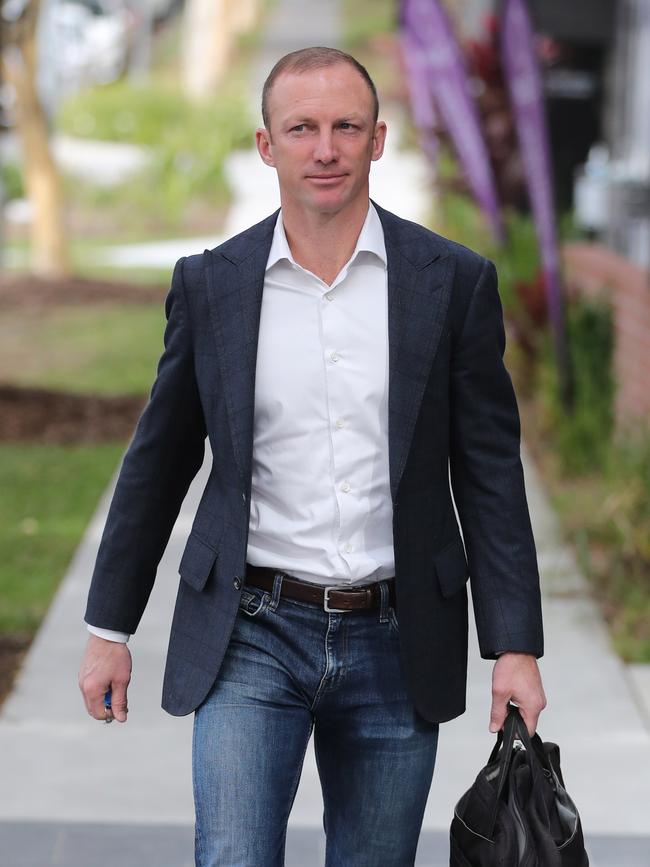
[{"x": 322, "y": 137}]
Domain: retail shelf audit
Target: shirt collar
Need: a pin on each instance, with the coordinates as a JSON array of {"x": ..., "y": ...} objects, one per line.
[{"x": 371, "y": 240}]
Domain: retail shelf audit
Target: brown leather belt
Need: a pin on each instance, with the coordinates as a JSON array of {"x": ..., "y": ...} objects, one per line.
[{"x": 331, "y": 598}]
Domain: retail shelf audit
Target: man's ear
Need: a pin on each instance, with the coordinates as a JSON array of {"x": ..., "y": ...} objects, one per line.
[
  {"x": 264, "y": 145},
  {"x": 378, "y": 139}
]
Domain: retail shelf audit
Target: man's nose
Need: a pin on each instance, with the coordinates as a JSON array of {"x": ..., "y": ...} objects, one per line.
[{"x": 325, "y": 151}]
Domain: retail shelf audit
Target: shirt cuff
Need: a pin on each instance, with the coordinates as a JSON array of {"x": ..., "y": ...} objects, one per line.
[{"x": 108, "y": 634}]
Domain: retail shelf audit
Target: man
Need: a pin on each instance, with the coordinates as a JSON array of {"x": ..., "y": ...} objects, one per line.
[{"x": 342, "y": 361}]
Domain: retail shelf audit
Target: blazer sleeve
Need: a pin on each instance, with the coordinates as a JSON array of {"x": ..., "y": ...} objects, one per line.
[
  {"x": 488, "y": 482},
  {"x": 165, "y": 453}
]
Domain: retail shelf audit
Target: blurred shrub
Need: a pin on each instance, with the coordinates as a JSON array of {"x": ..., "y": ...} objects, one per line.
[
  {"x": 612, "y": 520},
  {"x": 365, "y": 19},
  {"x": 155, "y": 115},
  {"x": 11, "y": 179},
  {"x": 188, "y": 143},
  {"x": 582, "y": 437},
  {"x": 517, "y": 261}
]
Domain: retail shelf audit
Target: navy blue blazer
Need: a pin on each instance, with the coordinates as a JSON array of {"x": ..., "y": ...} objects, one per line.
[{"x": 452, "y": 416}]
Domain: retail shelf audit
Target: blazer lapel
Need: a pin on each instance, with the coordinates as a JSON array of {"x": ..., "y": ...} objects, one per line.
[
  {"x": 235, "y": 280},
  {"x": 419, "y": 285}
]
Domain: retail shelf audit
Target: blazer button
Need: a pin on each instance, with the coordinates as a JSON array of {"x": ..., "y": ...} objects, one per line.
[{"x": 237, "y": 582}]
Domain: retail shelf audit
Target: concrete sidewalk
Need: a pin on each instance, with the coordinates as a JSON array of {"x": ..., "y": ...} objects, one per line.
[
  {"x": 79, "y": 793},
  {"x": 74, "y": 789}
]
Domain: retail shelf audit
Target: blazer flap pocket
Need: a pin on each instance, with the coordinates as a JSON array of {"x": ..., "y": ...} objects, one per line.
[
  {"x": 451, "y": 568},
  {"x": 197, "y": 561}
]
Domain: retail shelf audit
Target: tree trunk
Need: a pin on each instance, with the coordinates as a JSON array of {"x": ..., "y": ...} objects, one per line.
[
  {"x": 207, "y": 46},
  {"x": 244, "y": 15},
  {"x": 49, "y": 248}
]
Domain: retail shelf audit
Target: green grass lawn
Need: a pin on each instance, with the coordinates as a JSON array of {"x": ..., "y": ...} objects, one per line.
[
  {"x": 47, "y": 496},
  {"x": 101, "y": 349},
  {"x": 48, "y": 492}
]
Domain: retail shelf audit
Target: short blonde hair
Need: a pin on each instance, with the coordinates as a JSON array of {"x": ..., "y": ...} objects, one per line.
[{"x": 317, "y": 57}]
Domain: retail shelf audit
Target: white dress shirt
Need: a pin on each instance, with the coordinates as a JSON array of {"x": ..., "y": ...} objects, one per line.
[{"x": 321, "y": 506}]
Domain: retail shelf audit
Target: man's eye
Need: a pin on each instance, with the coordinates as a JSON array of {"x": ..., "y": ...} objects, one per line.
[
  {"x": 298, "y": 128},
  {"x": 347, "y": 125}
]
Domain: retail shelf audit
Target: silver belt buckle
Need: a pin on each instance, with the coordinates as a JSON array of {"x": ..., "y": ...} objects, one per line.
[{"x": 326, "y": 601}]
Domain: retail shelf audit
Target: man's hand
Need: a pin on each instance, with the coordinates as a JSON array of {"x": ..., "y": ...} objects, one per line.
[
  {"x": 105, "y": 664},
  {"x": 516, "y": 678}
]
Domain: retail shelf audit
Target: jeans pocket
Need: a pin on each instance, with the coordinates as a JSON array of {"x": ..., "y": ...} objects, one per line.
[{"x": 254, "y": 601}]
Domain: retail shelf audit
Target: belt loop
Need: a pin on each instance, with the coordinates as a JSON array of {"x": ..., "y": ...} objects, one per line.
[
  {"x": 385, "y": 601},
  {"x": 277, "y": 590}
]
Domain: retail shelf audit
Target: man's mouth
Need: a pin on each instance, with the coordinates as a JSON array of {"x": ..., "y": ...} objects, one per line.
[{"x": 325, "y": 178}]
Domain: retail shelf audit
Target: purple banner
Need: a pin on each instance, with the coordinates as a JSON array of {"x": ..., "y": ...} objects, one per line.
[
  {"x": 524, "y": 83},
  {"x": 422, "y": 109},
  {"x": 426, "y": 24}
]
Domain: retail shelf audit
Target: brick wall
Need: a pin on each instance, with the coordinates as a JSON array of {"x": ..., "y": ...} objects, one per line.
[{"x": 594, "y": 270}]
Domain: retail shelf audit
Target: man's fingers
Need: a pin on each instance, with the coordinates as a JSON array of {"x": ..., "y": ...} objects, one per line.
[
  {"x": 530, "y": 712},
  {"x": 516, "y": 678},
  {"x": 106, "y": 665},
  {"x": 498, "y": 714},
  {"x": 94, "y": 700},
  {"x": 119, "y": 702},
  {"x": 530, "y": 719}
]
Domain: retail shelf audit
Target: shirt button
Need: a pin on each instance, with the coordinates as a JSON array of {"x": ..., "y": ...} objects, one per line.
[
  {"x": 236, "y": 582},
  {"x": 334, "y": 356},
  {"x": 329, "y": 296},
  {"x": 345, "y": 487},
  {"x": 348, "y": 548},
  {"x": 340, "y": 422}
]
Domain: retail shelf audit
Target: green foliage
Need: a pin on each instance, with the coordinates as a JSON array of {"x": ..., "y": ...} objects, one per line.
[
  {"x": 368, "y": 28},
  {"x": 47, "y": 496},
  {"x": 624, "y": 524},
  {"x": 608, "y": 516},
  {"x": 188, "y": 143},
  {"x": 517, "y": 261},
  {"x": 457, "y": 217},
  {"x": 582, "y": 436},
  {"x": 364, "y": 19},
  {"x": 11, "y": 181},
  {"x": 154, "y": 115},
  {"x": 605, "y": 479}
]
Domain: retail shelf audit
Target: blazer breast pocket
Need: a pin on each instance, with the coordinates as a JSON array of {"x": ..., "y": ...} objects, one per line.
[{"x": 197, "y": 561}]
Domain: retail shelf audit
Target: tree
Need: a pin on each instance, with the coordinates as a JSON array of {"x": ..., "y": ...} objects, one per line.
[
  {"x": 210, "y": 28},
  {"x": 19, "y": 62}
]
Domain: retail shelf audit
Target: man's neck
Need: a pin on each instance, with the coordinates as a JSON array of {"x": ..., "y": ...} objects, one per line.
[{"x": 323, "y": 243}]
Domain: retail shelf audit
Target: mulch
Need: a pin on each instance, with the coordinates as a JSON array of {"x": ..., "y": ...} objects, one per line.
[
  {"x": 12, "y": 652},
  {"x": 41, "y": 415}
]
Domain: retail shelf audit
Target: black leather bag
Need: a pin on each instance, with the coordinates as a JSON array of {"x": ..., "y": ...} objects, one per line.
[{"x": 518, "y": 812}]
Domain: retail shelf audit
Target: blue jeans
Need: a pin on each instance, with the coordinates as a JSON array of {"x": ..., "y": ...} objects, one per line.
[{"x": 290, "y": 666}]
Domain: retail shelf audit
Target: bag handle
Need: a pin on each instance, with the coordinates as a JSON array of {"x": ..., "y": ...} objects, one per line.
[
  {"x": 514, "y": 728},
  {"x": 534, "y": 745},
  {"x": 505, "y": 742}
]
